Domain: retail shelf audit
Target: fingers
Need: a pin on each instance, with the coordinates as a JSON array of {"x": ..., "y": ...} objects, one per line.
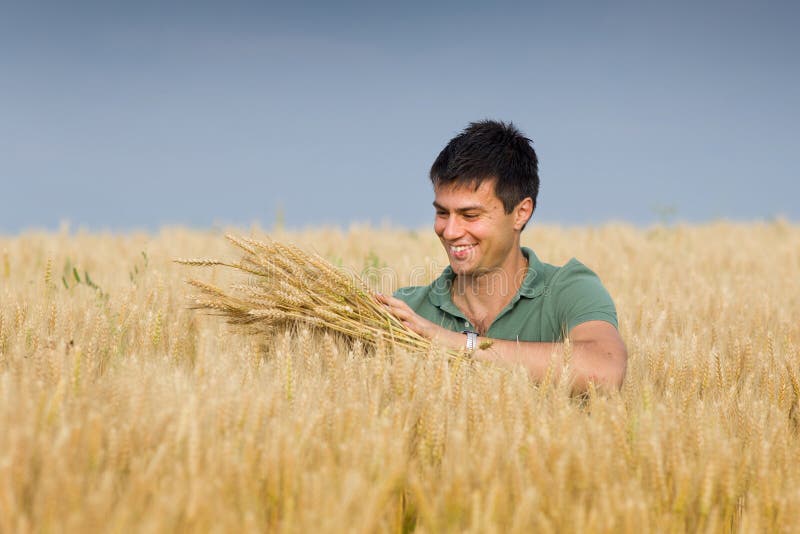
[
  {"x": 400, "y": 312},
  {"x": 388, "y": 299},
  {"x": 399, "y": 309},
  {"x": 392, "y": 304},
  {"x": 409, "y": 317}
]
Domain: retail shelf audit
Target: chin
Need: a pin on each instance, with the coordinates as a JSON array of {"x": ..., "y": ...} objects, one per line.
[{"x": 461, "y": 269}]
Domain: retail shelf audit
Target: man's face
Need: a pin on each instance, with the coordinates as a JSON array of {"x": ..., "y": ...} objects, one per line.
[{"x": 476, "y": 232}]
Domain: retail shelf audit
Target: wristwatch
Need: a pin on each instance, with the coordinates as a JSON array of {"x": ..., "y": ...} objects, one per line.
[{"x": 472, "y": 341}]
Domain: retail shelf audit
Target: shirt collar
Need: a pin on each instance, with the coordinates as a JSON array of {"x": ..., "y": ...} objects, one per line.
[{"x": 532, "y": 285}]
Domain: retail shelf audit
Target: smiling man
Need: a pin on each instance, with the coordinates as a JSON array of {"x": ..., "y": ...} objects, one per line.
[{"x": 497, "y": 301}]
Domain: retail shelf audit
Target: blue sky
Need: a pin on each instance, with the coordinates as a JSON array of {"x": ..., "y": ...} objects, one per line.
[{"x": 141, "y": 114}]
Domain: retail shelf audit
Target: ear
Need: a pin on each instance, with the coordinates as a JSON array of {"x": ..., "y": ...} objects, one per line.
[{"x": 522, "y": 213}]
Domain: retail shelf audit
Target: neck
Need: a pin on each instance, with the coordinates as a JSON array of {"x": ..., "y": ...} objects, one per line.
[{"x": 499, "y": 284}]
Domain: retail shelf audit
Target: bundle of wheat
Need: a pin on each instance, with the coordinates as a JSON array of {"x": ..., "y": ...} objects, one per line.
[{"x": 288, "y": 286}]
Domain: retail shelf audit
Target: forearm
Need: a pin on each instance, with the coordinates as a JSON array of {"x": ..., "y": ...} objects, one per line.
[
  {"x": 586, "y": 361},
  {"x": 596, "y": 351}
]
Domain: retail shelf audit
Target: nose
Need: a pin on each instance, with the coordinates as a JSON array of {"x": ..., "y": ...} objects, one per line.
[{"x": 452, "y": 229}]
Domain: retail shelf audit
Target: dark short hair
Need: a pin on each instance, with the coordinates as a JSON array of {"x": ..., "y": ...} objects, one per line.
[{"x": 488, "y": 150}]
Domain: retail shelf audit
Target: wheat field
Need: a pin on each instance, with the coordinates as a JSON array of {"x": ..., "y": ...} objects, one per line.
[{"x": 121, "y": 410}]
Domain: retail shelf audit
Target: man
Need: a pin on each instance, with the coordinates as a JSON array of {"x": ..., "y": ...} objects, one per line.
[{"x": 496, "y": 300}]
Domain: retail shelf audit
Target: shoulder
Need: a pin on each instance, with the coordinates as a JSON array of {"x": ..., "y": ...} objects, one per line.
[
  {"x": 433, "y": 293},
  {"x": 579, "y": 295},
  {"x": 571, "y": 272},
  {"x": 423, "y": 300},
  {"x": 414, "y": 296},
  {"x": 574, "y": 280},
  {"x": 554, "y": 276}
]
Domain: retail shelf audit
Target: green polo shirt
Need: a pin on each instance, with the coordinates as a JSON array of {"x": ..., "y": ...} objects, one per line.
[{"x": 551, "y": 301}]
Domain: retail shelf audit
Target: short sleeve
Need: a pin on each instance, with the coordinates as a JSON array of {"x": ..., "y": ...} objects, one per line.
[{"x": 579, "y": 296}]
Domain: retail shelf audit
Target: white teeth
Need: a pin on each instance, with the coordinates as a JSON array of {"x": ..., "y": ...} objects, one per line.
[{"x": 461, "y": 247}]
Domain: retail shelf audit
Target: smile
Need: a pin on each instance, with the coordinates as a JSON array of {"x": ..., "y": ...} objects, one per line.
[{"x": 460, "y": 248}]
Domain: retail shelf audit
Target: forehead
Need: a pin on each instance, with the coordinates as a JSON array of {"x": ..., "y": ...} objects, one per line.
[
  {"x": 484, "y": 191},
  {"x": 456, "y": 195}
]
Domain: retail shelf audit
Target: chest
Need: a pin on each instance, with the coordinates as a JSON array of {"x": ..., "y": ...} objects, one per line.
[
  {"x": 525, "y": 320},
  {"x": 480, "y": 319}
]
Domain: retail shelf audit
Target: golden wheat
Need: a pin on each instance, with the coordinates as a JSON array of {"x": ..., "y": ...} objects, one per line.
[
  {"x": 122, "y": 410},
  {"x": 291, "y": 287}
]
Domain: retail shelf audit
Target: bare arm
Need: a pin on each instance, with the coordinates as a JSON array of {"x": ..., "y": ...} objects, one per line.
[{"x": 598, "y": 353}]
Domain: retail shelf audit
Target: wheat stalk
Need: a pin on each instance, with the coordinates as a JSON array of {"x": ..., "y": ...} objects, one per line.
[{"x": 288, "y": 286}]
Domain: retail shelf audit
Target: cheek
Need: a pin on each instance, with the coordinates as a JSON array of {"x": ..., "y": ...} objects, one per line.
[
  {"x": 439, "y": 225},
  {"x": 480, "y": 229}
]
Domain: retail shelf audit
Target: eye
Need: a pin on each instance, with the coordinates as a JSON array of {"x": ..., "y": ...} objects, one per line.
[{"x": 470, "y": 216}]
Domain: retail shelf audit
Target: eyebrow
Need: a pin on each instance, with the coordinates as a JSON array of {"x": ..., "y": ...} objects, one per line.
[{"x": 474, "y": 207}]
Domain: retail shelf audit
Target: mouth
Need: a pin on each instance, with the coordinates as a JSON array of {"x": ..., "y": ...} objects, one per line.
[{"x": 461, "y": 251}]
